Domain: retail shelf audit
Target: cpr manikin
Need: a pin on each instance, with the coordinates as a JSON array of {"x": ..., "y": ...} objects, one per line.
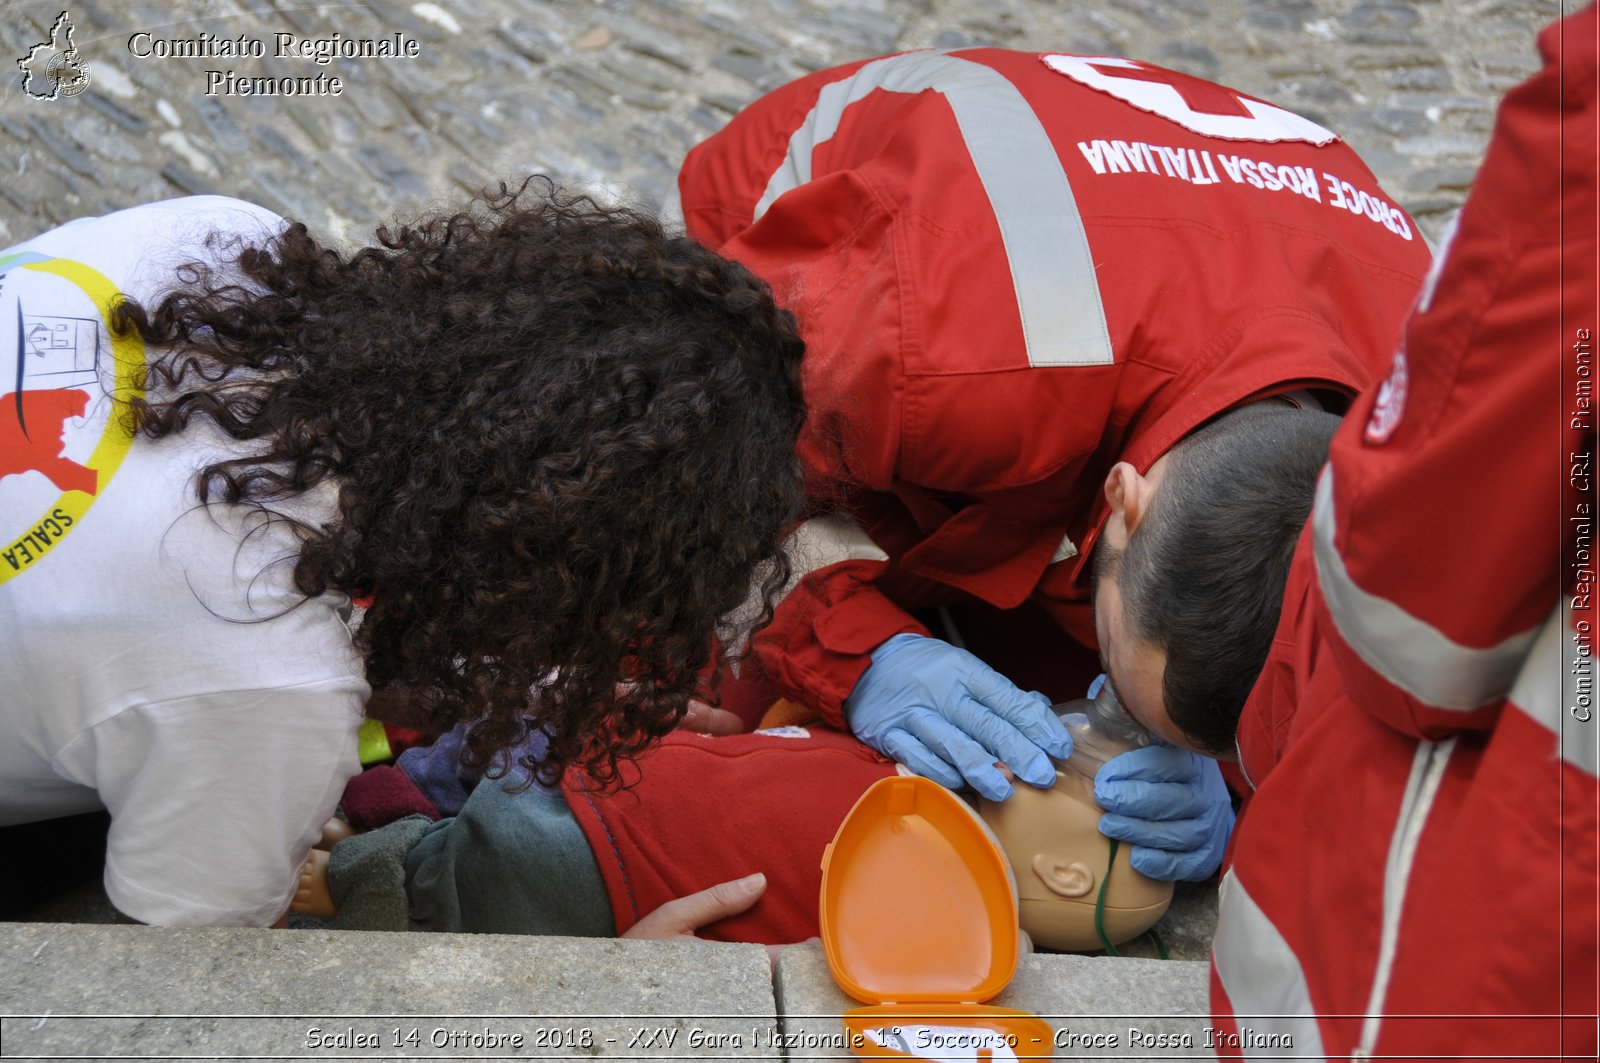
[{"x": 1055, "y": 847}]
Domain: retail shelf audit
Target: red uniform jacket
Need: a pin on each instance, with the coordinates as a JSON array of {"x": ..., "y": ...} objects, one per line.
[
  {"x": 1417, "y": 871},
  {"x": 1011, "y": 271}
]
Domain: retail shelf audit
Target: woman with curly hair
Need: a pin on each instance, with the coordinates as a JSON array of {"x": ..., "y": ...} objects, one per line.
[{"x": 553, "y": 439}]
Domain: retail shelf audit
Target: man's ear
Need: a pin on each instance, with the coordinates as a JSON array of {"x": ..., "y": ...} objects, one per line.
[
  {"x": 1069, "y": 878},
  {"x": 1129, "y": 493}
]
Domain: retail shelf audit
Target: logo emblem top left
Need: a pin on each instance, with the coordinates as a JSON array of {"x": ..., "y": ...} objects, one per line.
[{"x": 54, "y": 68}]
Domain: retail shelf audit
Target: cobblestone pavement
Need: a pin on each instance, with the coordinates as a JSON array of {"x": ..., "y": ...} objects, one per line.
[{"x": 611, "y": 93}]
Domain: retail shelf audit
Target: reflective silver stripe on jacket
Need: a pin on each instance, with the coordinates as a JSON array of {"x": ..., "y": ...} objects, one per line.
[
  {"x": 1441, "y": 255},
  {"x": 1262, "y": 976},
  {"x": 1052, "y": 271},
  {"x": 1407, "y": 651},
  {"x": 1422, "y": 786},
  {"x": 1557, "y": 688}
]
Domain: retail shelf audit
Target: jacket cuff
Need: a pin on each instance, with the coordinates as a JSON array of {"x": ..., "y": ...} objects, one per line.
[{"x": 817, "y": 646}]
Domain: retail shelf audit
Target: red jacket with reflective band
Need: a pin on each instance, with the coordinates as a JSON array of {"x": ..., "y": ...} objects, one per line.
[
  {"x": 1011, "y": 271},
  {"x": 1422, "y": 841}
]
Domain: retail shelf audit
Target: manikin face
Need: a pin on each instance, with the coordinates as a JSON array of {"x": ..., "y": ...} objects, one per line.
[{"x": 1053, "y": 842}]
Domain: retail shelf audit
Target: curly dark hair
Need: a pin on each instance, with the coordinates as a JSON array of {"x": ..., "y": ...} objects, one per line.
[{"x": 563, "y": 439}]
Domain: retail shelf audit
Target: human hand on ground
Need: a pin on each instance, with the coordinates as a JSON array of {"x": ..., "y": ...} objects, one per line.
[
  {"x": 678, "y": 920},
  {"x": 682, "y": 917}
]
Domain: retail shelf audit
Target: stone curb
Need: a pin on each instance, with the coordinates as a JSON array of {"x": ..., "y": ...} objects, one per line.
[
  {"x": 73, "y": 990},
  {"x": 77, "y": 990}
]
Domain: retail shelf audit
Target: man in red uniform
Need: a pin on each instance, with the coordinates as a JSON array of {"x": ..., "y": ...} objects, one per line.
[
  {"x": 1416, "y": 873},
  {"x": 1025, "y": 280}
]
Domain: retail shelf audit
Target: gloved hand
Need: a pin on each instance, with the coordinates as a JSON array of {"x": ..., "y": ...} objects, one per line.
[
  {"x": 1172, "y": 805},
  {"x": 946, "y": 715}
]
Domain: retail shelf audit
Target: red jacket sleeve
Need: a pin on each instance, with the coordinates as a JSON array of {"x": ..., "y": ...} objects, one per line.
[
  {"x": 1435, "y": 585},
  {"x": 817, "y": 645}
]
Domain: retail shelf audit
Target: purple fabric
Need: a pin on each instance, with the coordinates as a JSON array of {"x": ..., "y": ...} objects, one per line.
[{"x": 437, "y": 772}]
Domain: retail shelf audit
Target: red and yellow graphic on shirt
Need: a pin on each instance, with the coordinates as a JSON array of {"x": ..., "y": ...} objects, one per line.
[{"x": 52, "y": 405}]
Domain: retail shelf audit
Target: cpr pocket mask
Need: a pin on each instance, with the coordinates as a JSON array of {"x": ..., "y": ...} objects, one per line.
[{"x": 919, "y": 922}]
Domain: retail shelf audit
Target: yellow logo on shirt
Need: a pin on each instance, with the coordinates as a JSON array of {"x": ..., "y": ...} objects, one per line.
[{"x": 65, "y": 382}]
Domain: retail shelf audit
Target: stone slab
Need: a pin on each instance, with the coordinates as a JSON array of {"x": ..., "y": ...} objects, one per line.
[
  {"x": 127, "y": 991},
  {"x": 1096, "y": 1006}
]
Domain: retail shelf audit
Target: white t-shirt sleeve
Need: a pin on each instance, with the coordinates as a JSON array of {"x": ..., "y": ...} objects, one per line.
[{"x": 216, "y": 800}]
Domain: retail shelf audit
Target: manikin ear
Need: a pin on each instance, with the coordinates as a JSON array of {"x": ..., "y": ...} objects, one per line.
[
  {"x": 1129, "y": 493},
  {"x": 1069, "y": 878}
]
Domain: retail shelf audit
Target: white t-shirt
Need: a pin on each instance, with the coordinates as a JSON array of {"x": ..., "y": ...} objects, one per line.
[{"x": 158, "y": 661}]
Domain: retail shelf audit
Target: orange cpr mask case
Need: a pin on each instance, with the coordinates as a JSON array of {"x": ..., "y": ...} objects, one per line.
[{"x": 919, "y": 921}]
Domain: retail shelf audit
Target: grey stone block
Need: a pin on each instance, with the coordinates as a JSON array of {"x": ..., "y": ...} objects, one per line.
[
  {"x": 387, "y": 167},
  {"x": 1279, "y": 16},
  {"x": 1426, "y": 78},
  {"x": 1396, "y": 121},
  {"x": 1436, "y": 145},
  {"x": 1381, "y": 16},
  {"x": 664, "y": 50},
  {"x": 223, "y": 124},
  {"x": 1445, "y": 178},
  {"x": 1191, "y": 58},
  {"x": 527, "y": 40},
  {"x": 57, "y": 142},
  {"x": 1163, "y": 15},
  {"x": 748, "y": 66},
  {"x": 263, "y": 993},
  {"x": 866, "y": 32},
  {"x": 1096, "y": 1006},
  {"x": 653, "y": 74},
  {"x": 1188, "y": 926},
  {"x": 118, "y": 114}
]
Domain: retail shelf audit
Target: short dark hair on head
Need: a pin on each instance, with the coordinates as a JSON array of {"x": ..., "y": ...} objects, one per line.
[
  {"x": 1203, "y": 573},
  {"x": 563, "y": 439}
]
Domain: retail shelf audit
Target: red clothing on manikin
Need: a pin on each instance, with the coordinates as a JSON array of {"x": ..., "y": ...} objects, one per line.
[
  {"x": 1417, "y": 871},
  {"x": 705, "y": 810},
  {"x": 1011, "y": 271}
]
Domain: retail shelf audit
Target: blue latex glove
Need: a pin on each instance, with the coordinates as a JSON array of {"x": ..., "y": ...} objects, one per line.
[
  {"x": 1172, "y": 805},
  {"x": 946, "y": 715}
]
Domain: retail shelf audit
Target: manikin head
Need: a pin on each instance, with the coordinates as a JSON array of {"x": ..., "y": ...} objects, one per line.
[{"x": 1060, "y": 859}]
